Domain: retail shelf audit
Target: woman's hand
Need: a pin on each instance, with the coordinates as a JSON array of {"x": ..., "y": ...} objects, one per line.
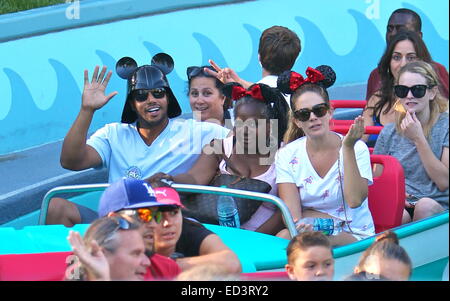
[
  {"x": 354, "y": 133},
  {"x": 302, "y": 227},
  {"x": 225, "y": 75},
  {"x": 94, "y": 92},
  {"x": 409, "y": 205},
  {"x": 411, "y": 127}
]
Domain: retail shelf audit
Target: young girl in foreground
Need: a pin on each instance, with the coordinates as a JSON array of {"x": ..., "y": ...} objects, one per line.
[
  {"x": 310, "y": 257},
  {"x": 384, "y": 260}
]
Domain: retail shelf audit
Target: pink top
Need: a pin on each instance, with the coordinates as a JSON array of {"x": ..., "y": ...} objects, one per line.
[{"x": 266, "y": 210}]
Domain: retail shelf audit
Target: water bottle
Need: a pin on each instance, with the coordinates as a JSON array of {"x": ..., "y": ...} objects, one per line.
[
  {"x": 327, "y": 226},
  {"x": 227, "y": 212}
]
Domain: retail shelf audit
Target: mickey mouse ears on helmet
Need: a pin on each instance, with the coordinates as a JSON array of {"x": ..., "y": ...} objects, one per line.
[
  {"x": 147, "y": 77},
  {"x": 164, "y": 62},
  {"x": 127, "y": 65}
]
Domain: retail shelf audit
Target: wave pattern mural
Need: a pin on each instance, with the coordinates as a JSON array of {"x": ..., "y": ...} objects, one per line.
[{"x": 35, "y": 109}]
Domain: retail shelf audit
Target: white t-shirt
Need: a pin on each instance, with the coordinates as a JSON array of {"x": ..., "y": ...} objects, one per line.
[
  {"x": 271, "y": 81},
  {"x": 174, "y": 151},
  {"x": 324, "y": 194}
]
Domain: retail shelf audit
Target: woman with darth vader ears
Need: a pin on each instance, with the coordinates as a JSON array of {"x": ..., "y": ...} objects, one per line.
[
  {"x": 147, "y": 140},
  {"x": 320, "y": 173}
]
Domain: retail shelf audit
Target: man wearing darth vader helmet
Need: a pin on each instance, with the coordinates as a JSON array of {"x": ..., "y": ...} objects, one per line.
[{"x": 147, "y": 140}]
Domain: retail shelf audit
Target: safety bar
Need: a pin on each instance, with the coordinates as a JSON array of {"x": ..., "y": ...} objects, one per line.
[{"x": 180, "y": 188}]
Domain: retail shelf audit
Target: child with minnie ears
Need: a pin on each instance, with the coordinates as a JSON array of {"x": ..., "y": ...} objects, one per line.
[
  {"x": 320, "y": 173},
  {"x": 260, "y": 123}
]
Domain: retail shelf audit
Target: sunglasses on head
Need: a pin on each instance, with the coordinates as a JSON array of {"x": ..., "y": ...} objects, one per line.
[
  {"x": 319, "y": 110},
  {"x": 142, "y": 94},
  {"x": 144, "y": 215},
  {"x": 194, "y": 71},
  {"x": 122, "y": 224},
  {"x": 418, "y": 91}
]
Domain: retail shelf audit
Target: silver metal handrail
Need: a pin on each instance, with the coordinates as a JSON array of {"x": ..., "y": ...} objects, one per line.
[{"x": 264, "y": 197}]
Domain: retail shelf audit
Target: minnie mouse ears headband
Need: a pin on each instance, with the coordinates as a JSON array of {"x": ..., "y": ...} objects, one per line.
[
  {"x": 260, "y": 92},
  {"x": 323, "y": 75}
]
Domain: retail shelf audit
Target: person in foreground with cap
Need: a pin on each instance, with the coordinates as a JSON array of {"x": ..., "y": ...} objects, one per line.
[
  {"x": 190, "y": 243},
  {"x": 146, "y": 140},
  {"x": 167, "y": 233},
  {"x": 133, "y": 205}
]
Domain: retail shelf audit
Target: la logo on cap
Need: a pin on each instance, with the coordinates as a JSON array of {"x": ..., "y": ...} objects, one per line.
[{"x": 150, "y": 191}]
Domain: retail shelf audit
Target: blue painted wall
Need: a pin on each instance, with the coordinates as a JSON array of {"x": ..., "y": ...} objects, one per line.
[{"x": 41, "y": 76}]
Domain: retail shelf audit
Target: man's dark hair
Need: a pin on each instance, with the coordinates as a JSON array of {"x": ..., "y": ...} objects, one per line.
[
  {"x": 278, "y": 49},
  {"x": 416, "y": 18}
]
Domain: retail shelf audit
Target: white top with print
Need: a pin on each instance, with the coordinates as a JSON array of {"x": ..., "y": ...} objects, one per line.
[{"x": 324, "y": 194}]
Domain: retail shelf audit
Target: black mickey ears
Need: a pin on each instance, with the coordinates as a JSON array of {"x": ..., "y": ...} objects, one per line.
[
  {"x": 164, "y": 62},
  {"x": 329, "y": 74},
  {"x": 126, "y": 65}
]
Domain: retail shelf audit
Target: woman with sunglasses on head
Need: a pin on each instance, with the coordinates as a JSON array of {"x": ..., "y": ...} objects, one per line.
[
  {"x": 112, "y": 249},
  {"x": 260, "y": 123},
  {"x": 320, "y": 173},
  {"x": 206, "y": 98},
  {"x": 419, "y": 140},
  {"x": 404, "y": 47}
]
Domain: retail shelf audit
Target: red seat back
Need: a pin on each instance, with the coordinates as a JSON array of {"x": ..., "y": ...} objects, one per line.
[
  {"x": 33, "y": 267},
  {"x": 344, "y": 103},
  {"x": 342, "y": 126},
  {"x": 387, "y": 193}
]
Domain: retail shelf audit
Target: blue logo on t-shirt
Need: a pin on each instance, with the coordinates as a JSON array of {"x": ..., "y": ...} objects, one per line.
[{"x": 134, "y": 172}]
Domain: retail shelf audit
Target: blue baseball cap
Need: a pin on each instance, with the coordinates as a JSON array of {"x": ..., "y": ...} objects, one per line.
[{"x": 128, "y": 194}]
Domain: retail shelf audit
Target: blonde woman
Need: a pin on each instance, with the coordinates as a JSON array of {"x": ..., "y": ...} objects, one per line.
[{"x": 419, "y": 140}]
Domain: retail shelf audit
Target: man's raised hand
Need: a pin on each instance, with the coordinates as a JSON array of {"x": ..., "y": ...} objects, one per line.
[{"x": 94, "y": 91}]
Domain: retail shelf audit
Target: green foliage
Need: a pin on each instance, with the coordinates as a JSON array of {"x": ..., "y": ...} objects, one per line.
[{"x": 11, "y": 6}]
